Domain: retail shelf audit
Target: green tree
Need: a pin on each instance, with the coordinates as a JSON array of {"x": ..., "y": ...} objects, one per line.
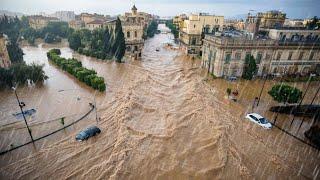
[
  {"x": 74, "y": 40},
  {"x": 15, "y": 52},
  {"x": 173, "y": 28},
  {"x": 283, "y": 93},
  {"x": 313, "y": 24},
  {"x": 228, "y": 91},
  {"x": 119, "y": 45},
  {"x": 250, "y": 67},
  {"x": 152, "y": 29}
]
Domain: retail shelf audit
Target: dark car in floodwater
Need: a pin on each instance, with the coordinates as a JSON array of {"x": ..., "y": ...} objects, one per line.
[{"x": 87, "y": 133}]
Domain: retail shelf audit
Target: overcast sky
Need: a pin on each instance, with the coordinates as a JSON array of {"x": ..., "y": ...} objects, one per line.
[{"x": 293, "y": 8}]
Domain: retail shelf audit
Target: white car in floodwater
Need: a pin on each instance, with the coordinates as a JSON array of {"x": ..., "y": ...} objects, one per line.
[{"x": 258, "y": 119}]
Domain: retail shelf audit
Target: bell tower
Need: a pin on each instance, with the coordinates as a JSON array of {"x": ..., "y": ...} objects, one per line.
[{"x": 134, "y": 10}]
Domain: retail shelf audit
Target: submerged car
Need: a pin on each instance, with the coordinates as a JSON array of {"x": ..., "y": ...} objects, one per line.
[
  {"x": 258, "y": 119},
  {"x": 87, "y": 133}
]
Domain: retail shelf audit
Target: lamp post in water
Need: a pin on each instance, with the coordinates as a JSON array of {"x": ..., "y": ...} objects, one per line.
[
  {"x": 79, "y": 98},
  {"x": 21, "y": 105},
  {"x": 309, "y": 82}
]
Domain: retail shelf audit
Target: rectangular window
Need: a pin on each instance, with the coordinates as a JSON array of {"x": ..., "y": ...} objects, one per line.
[
  {"x": 268, "y": 56},
  {"x": 238, "y": 56},
  {"x": 290, "y": 55},
  {"x": 311, "y": 56},
  {"x": 259, "y": 57},
  {"x": 248, "y": 54},
  {"x": 193, "y": 41},
  {"x": 227, "y": 58},
  {"x": 301, "y": 56},
  {"x": 279, "y": 56}
]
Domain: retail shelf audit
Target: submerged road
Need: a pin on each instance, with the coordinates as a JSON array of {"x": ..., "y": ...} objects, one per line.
[{"x": 160, "y": 120}]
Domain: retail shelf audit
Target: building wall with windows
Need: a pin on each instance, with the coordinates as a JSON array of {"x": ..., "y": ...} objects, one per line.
[
  {"x": 4, "y": 56},
  {"x": 133, "y": 25},
  {"x": 294, "y": 35},
  {"x": 196, "y": 25},
  {"x": 39, "y": 22},
  {"x": 225, "y": 56}
]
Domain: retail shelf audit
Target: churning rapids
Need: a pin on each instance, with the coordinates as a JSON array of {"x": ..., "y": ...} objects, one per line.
[{"x": 160, "y": 119}]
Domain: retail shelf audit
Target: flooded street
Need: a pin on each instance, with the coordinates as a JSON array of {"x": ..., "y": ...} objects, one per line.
[{"x": 160, "y": 119}]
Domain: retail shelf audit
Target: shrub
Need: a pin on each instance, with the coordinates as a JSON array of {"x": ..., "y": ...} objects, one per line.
[
  {"x": 74, "y": 67},
  {"x": 283, "y": 93}
]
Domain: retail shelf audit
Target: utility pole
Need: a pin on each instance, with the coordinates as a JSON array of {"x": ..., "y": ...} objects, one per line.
[
  {"x": 264, "y": 82},
  {"x": 309, "y": 107},
  {"x": 309, "y": 82},
  {"x": 21, "y": 105}
]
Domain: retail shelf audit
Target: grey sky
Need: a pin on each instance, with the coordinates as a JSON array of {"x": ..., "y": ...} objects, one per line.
[{"x": 293, "y": 8}]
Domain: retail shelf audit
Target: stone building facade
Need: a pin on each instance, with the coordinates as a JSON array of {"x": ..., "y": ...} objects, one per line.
[
  {"x": 133, "y": 25},
  {"x": 39, "y": 22},
  {"x": 4, "y": 56},
  {"x": 76, "y": 24},
  {"x": 194, "y": 27},
  {"x": 95, "y": 25},
  {"x": 264, "y": 20},
  {"x": 225, "y": 56}
]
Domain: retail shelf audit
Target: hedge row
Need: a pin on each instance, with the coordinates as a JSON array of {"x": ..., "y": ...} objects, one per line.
[
  {"x": 95, "y": 54},
  {"x": 74, "y": 67}
]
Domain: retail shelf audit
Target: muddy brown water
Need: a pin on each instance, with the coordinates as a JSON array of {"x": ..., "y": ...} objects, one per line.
[{"x": 160, "y": 119}]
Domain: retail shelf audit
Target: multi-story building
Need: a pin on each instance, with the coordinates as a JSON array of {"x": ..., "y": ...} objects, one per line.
[
  {"x": 261, "y": 21},
  {"x": 39, "y": 22},
  {"x": 195, "y": 27},
  {"x": 284, "y": 52},
  {"x": 139, "y": 17},
  {"x": 87, "y": 18},
  {"x": 178, "y": 21},
  {"x": 4, "y": 56},
  {"x": 271, "y": 19},
  {"x": 133, "y": 25},
  {"x": 76, "y": 24},
  {"x": 294, "y": 23},
  {"x": 65, "y": 15},
  {"x": 95, "y": 24}
]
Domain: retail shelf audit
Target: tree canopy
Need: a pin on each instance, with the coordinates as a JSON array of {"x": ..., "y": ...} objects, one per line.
[
  {"x": 102, "y": 43},
  {"x": 283, "y": 93},
  {"x": 250, "y": 68}
]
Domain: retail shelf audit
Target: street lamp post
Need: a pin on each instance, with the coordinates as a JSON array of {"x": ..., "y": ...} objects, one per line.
[
  {"x": 309, "y": 82},
  {"x": 264, "y": 82},
  {"x": 21, "y": 105},
  {"x": 94, "y": 100},
  {"x": 309, "y": 107}
]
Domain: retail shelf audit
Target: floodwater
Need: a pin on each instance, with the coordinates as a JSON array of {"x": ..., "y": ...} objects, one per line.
[{"x": 161, "y": 118}]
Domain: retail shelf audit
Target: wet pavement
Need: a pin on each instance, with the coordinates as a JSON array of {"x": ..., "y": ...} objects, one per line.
[{"x": 161, "y": 117}]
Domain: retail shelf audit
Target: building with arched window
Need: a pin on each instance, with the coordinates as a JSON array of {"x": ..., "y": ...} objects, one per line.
[
  {"x": 194, "y": 28},
  {"x": 133, "y": 25},
  {"x": 4, "y": 56},
  {"x": 225, "y": 56}
]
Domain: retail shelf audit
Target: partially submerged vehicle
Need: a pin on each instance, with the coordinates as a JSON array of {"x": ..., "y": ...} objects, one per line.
[
  {"x": 258, "y": 119},
  {"x": 87, "y": 133}
]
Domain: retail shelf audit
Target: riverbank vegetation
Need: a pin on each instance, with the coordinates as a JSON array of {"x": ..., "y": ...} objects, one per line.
[
  {"x": 173, "y": 28},
  {"x": 22, "y": 74},
  {"x": 250, "y": 68},
  {"x": 74, "y": 67},
  {"x": 102, "y": 43},
  {"x": 11, "y": 28},
  {"x": 52, "y": 33},
  {"x": 151, "y": 30},
  {"x": 283, "y": 93},
  {"x": 19, "y": 72}
]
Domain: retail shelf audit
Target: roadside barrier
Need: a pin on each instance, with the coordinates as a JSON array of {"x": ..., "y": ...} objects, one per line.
[
  {"x": 299, "y": 139},
  {"x": 6, "y": 151}
]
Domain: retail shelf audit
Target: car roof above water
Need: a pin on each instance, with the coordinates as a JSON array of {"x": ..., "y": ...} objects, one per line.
[{"x": 256, "y": 115}]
